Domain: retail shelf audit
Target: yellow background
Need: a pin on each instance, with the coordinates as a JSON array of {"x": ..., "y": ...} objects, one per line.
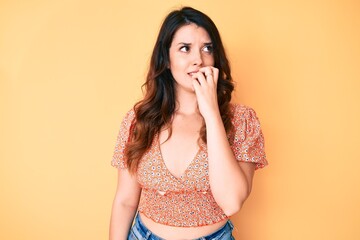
[{"x": 70, "y": 69}]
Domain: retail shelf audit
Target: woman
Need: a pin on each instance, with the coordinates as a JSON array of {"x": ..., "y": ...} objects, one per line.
[{"x": 185, "y": 155}]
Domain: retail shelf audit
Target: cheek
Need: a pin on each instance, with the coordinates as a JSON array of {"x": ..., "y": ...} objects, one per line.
[
  {"x": 178, "y": 65},
  {"x": 176, "y": 70},
  {"x": 209, "y": 61}
]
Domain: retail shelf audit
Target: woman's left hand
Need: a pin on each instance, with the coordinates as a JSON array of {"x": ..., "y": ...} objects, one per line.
[{"x": 205, "y": 85}]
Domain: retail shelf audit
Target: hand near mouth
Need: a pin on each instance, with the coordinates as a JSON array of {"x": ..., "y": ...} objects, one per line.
[{"x": 205, "y": 86}]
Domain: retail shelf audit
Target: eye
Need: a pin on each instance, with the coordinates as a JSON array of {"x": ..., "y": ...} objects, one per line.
[
  {"x": 208, "y": 48},
  {"x": 184, "y": 48}
]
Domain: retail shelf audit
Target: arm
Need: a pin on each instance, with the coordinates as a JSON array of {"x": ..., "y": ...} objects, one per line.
[
  {"x": 224, "y": 169},
  {"x": 236, "y": 176},
  {"x": 124, "y": 206}
]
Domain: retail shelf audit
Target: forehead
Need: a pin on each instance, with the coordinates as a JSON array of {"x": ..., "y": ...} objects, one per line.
[{"x": 191, "y": 33}]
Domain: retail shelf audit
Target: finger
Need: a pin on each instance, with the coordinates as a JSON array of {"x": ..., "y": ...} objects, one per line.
[
  {"x": 215, "y": 74},
  {"x": 208, "y": 72},
  {"x": 196, "y": 85},
  {"x": 200, "y": 77}
]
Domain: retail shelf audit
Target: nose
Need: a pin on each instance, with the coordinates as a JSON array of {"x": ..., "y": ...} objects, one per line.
[{"x": 197, "y": 58}]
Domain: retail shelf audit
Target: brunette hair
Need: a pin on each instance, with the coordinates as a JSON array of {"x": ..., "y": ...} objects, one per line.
[{"x": 158, "y": 105}]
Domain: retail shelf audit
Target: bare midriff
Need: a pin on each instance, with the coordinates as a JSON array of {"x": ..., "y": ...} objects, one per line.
[{"x": 180, "y": 233}]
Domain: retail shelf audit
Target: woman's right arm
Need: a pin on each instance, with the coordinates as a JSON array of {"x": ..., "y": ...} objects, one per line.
[{"x": 125, "y": 205}]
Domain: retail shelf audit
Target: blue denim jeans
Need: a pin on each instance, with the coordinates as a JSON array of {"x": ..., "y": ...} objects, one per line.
[{"x": 140, "y": 232}]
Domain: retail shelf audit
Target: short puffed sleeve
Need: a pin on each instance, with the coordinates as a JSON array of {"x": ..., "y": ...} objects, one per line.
[
  {"x": 248, "y": 140},
  {"x": 119, "y": 160}
]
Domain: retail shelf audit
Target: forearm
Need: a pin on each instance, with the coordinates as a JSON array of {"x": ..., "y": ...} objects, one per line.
[
  {"x": 228, "y": 182},
  {"x": 121, "y": 220}
]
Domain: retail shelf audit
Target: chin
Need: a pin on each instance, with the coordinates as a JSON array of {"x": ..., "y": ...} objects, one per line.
[{"x": 188, "y": 89}]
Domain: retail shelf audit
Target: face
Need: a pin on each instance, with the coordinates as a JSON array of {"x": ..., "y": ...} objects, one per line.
[{"x": 190, "y": 50}]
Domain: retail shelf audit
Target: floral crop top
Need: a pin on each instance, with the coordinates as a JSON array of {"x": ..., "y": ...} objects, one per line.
[{"x": 187, "y": 201}]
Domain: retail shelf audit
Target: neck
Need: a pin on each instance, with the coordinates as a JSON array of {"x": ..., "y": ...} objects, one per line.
[{"x": 186, "y": 103}]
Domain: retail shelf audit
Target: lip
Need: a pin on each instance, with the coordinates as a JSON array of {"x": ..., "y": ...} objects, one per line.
[{"x": 193, "y": 72}]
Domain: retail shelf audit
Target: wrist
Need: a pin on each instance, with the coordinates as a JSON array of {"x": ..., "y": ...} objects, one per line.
[{"x": 213, "y": 119}]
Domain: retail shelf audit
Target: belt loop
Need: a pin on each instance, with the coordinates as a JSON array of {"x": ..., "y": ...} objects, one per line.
[
  {"x": 230, "y": 223},
  {"x": 148, "y": 234}
]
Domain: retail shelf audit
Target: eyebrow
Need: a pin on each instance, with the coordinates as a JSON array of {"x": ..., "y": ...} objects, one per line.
[{"x": 187, "y": 44}]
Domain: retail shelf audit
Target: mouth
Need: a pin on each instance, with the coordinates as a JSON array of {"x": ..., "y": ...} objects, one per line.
[{"x": 192, "y": 73}]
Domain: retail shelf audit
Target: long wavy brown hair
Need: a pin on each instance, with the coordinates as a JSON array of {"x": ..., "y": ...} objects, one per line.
[{"x": 155, "y": 110}]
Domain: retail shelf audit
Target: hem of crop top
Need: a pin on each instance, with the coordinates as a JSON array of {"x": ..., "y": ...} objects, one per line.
[{"x": 200, "y": 225}]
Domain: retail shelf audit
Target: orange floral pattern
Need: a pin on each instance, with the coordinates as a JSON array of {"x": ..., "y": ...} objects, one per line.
[{"x": 187, "y": 201}]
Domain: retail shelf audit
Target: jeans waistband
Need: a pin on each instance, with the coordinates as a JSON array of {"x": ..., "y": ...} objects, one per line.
[{"x": 146, "y": 232}]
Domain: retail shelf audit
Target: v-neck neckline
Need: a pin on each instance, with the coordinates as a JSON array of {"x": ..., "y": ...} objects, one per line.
[{"x": 182, "y": 176}]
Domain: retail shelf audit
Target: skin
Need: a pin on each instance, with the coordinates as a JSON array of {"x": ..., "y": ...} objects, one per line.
[{"x": 191, "y": 63}]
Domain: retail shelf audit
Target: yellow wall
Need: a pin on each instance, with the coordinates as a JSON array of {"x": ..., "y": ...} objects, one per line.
[{"x": 70, "y": 69}]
